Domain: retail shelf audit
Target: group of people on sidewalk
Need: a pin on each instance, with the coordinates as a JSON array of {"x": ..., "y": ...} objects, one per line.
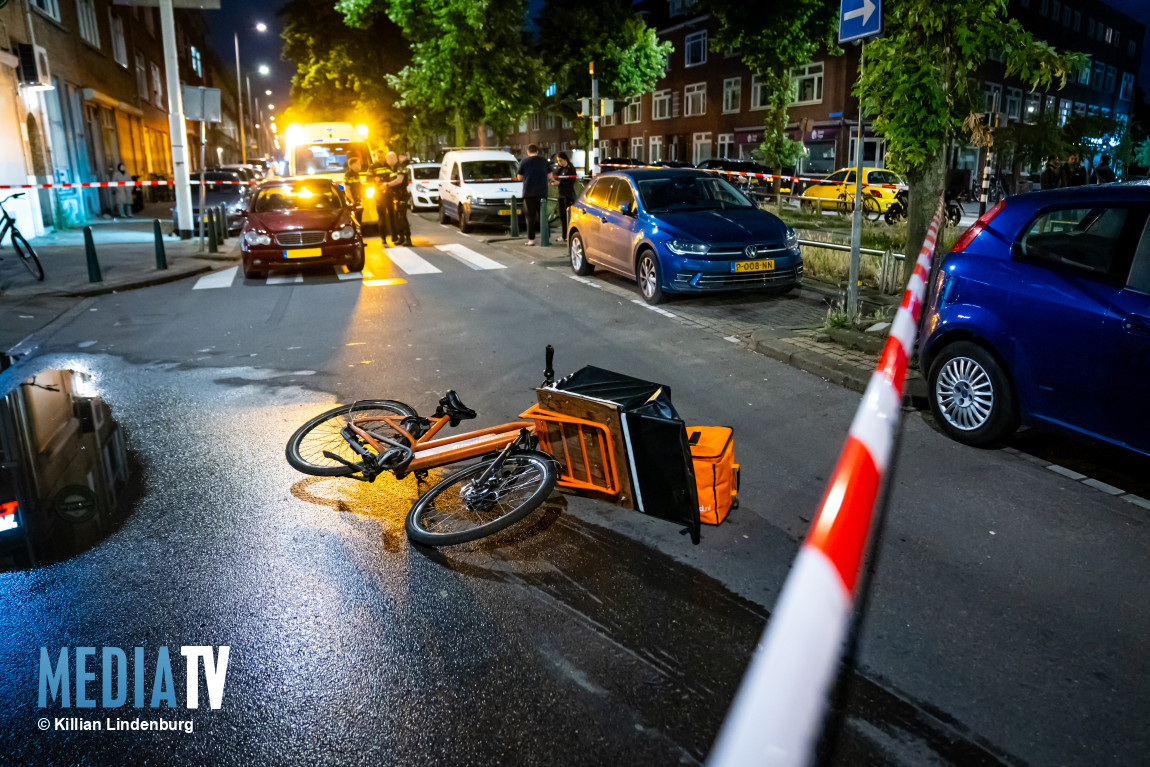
[
  {"x": 536, "y": 174},
  {"x": 1072, "y": 173},
  {"x": 390, "y": 181}
]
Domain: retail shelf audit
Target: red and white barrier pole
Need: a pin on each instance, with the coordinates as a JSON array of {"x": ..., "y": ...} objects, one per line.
[{"x": 781, "y": 704}]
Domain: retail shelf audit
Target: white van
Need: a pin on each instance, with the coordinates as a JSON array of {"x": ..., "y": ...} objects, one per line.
[{"x": 476, "y": 187}]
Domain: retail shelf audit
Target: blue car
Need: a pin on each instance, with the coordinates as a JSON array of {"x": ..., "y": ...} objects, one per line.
[
  {"x": 1040, "y": 314},
  {"x": 680, "y": 231}
]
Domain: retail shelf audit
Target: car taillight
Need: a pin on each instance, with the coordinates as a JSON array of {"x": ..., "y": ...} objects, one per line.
[
  {"x": 876, "y": 192},
  {"x": 977, "y": 227}
]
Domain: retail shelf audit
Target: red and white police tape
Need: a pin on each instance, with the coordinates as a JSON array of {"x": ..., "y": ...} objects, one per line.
[
  {"x": 781, "y": 703},
  {"x": 103, "y": 184},
  {"x": 767, "y": 176}
]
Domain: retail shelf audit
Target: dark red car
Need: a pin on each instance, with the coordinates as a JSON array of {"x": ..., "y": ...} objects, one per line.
[{"x": 297, "y": 222}]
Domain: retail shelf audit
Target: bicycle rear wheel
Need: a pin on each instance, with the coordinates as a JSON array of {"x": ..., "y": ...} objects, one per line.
[
  {"x": 305, "y": 449},
  {"x": 459, "y": 509},
  {"x": 871, "y": 208},
  {"x": 27, "y": 256}
]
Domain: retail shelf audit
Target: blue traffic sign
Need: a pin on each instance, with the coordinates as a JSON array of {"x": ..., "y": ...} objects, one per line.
[{"x": 859, "y": 19}]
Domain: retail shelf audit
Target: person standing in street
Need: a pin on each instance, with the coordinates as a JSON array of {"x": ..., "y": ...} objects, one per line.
[
  {"x": 353, "y": 184},
  {"x": 395, "y": 192},
  {"x": 1103, "y": 174},
  {"x": 564, "y": 176},
  {"x": 1050, "y": 175},
  {"x": 1073, "y": 174},
  {"x": 533, "y": 172},
  {"x": 123, "y": 194}
]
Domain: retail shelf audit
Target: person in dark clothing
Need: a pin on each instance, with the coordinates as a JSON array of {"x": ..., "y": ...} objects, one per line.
[
  {"x": 564, "y": 176},
  {"x": 533, "y": 172},
  {"x": 393, "y": 185},
  {"x": 1073, "y": 174},
  {"x": 1103, "y": 174},
  {"x": 1050, "y": 175},
  {"x": 353, "y": 183}
]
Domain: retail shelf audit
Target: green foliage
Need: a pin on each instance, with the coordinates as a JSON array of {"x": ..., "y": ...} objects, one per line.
[
  {"x": 470, "y": 63},
  {"x": 1088, "y": 134},
  {"x": 341, "y": 72},
  {"x": 1141, "y": 154},
  {"x": 773, "y": 38},
  {"x": 1033, "y": 143}
]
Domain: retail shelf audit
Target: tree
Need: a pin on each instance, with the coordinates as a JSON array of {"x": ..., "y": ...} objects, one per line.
[
  {"x": 341, "y": 71},
  {"x": 917, "y": 85},
  {"x": 773, "y": 39},
  {"x": 470, "y": 64},
  {"x": 1029, "y": 144}
]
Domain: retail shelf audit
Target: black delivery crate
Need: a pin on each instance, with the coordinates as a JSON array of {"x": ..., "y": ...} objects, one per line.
[{"x": 658, "y": 455}]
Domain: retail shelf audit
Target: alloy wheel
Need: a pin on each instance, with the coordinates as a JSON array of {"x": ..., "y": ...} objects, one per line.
[
  {"x": 965, "y": 394},
  {"x": 647, "y": 276}
]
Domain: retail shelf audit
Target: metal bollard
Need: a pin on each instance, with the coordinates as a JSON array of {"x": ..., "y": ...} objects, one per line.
[
  {"x": 161, "y": 255},
  {"x": 222, "y": 225},
  {"x": 514, "y": 231},
  {"x": 211, "y": 231},
  {"x": 544, "y": 227},
  {"x": 90, "y": 250}
]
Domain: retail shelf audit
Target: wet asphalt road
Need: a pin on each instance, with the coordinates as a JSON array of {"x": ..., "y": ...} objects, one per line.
[{"x": 1007, "y": 624}]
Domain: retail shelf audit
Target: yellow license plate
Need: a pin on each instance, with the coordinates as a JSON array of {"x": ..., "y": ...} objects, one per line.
[
  {"x": 304, "y": 253},
  {"x": 755, "y": 266},
  {"x": 508, "y": 212}
]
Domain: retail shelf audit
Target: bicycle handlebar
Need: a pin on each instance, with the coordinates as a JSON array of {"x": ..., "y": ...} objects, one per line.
[{"x": 11, "y": 197}]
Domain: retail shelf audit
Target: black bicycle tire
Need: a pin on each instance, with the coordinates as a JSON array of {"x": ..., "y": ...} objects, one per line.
[
  {"x": 421, "y": 536},
  {"x": 28, "y": 258},
  {"x": 297, "y": 461}
]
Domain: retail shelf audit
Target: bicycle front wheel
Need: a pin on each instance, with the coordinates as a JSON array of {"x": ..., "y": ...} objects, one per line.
[
  {"x": 27, "y": 256},
  {"x": 461, "y": 508},
  {"x": 305, "y": 449},
  {"x": 871, "y": 209}
]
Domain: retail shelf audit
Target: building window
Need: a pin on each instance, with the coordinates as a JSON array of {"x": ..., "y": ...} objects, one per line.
[
  {"x": 1014, "y": 103},
  {"x": 808, "y": 83},
  {"x": 1131, "y": 48},
  {"x": 89, "y": 30},
  {"x": 1066, "y": 15},
  {"x": 732, "y": 94},
  {"x": 1031, "y": 108},
  {"x": 695, "y": 49},
  {"x": 608, "y": 119},
  {"x": 700, "y": 147},
  {"x": 1127, "y": 87},
  {"x": 141, "y": 77},
  {"x": 119, "y": 46},
  {"x": 992, "y": 97},
  {"x": 157, "y": 85},
  {"x": 661, "y": 105},
  {"x": 1109, "y": 34},
  {"x": 656, "y": 144},
  {"x": 1090, "y": 27},
  {"x": 197, "y": 63},
  {"x": 726, "y": 144},
  {"x": 637, "y": 148},
  {"x": 1098, "y": 76},
  {"x": 534, "y": 118},
  {"x": 1051, "y": 103},
  {"x": 634, "y": 111},
  {"x": 523, "y": 124},
  {"x": 1077, "y": 25},
  {"x": 1055, "y": 10},
  {"x": 149, "y": 22},
  {"x": 50, "y": 8},
  {"x": 695, "y": 97},
  {"x": 1080, "y": 108},
  {"x": 566, "y": 122},
  {"x": 1064, "y": 111},
  {"x": 604, "y": 149},
  {"x": 1044, "y": 8},
  {"x": 1111, "y": 78},
  {"x": 758, "y": 93},
  {"x": 1084, "y": 73}
]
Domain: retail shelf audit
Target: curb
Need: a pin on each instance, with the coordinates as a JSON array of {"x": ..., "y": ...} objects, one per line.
[{"x": 147, "y": 282}]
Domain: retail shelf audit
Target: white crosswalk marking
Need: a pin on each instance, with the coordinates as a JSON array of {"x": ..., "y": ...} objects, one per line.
[
  {"x": 285, "y": 279},
  {"x": 410, "y": 262},
  {"x": 469, "y": 256},
  {"x": 345, "y": 275},
  {"x": 220, "y": 279}
]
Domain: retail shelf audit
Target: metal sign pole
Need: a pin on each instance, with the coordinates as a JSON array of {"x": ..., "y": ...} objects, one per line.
[
  {"x": 856, "y": 226},
  {"x": 176, "y": 125},
  {"x": 203, "y": 143}
]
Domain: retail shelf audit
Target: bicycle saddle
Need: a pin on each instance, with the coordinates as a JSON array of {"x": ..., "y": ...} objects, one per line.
[{"x": 452, "y": 406}]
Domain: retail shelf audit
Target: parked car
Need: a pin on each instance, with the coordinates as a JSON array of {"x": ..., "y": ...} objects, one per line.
[
  {"x": 297, "y": 222},
  {"x": 678, "y": 230},
  {"x": 611, "y": 163},
  {"x": 423, "y": 185},
  {"x": 671, "y": 164},
  {"x": 747, "y": 184},
  {"x": 828, "y": 192},
  {"x": 476, "y": 186},
  {"x": 1040, "y": 315},
  {"x": 250, "y": 173},
  {"x": 221, "y": 187}
]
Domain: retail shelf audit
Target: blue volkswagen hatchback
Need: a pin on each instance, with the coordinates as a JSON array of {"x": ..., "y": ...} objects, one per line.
[
  {"x": 678, "y": 230},
  {"x": 1040, "y": 314}
]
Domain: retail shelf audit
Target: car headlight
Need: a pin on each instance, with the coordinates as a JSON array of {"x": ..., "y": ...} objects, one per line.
[
  {"x": 685, "y": 248},
  {"x": 792, "y": 240},
  {"x": 345, "y": 232},
  {"x": 235, "y": 208},
  {"x": 257, "y": 238},
  {"x": 370, "y": 192},
  {"x": 421, "y": 187}
]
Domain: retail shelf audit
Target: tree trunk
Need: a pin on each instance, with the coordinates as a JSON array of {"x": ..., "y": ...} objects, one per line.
[
  {"x": 460, "y": 137},
  {"x": 482, "y": 134},
  {"x": 926, "y": 187}
]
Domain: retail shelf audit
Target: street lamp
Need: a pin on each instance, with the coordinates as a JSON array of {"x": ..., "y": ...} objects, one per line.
[
  {"x": 264, "y": 70},
  {"x": 260, "y": 27},
  {"x": 267, "y": 93}
]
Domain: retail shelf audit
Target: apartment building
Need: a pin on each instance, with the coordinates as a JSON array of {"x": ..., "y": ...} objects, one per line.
[{"x": 83, "y": 88}]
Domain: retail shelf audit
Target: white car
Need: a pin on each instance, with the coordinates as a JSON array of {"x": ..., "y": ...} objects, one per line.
[
  {"x": 423, "y": 185},
  {"x": 476, "y": 187}
]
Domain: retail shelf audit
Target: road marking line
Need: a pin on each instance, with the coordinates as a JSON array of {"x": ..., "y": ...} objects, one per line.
[
  {"x": 285, "y": 279},
  {"x": 1066, "y": 472},
  {"x": 384, "y": 283},
  {"x": 657, "y": 309},
  {"x": 220, "y": 279},
  {"x": 342, "y": 273},
  {"x": 470, "y": 257},
  {"x": 410, "y": 262},
  {"x": 1099, "y": 485}
]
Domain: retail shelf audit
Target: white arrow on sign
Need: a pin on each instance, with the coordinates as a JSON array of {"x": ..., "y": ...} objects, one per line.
[{"x": 866, "y": 10}]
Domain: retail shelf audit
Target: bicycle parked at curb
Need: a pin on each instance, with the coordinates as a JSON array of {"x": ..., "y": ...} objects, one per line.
[
  {"x": 23, "y": 248},
  {"x": 871, "y": 208}
]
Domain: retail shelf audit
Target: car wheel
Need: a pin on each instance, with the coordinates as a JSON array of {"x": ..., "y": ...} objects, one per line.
[
  {"x": 971, "y": 396},
  {"x": 650, "y": 278},
  {"x": 443, "y": 217},
  {"x": 252, "y": 274},
  {"x": 579, "y": 263},
  {"x": 464, "y": 221},
  {"x": 357, "y": 264}
]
